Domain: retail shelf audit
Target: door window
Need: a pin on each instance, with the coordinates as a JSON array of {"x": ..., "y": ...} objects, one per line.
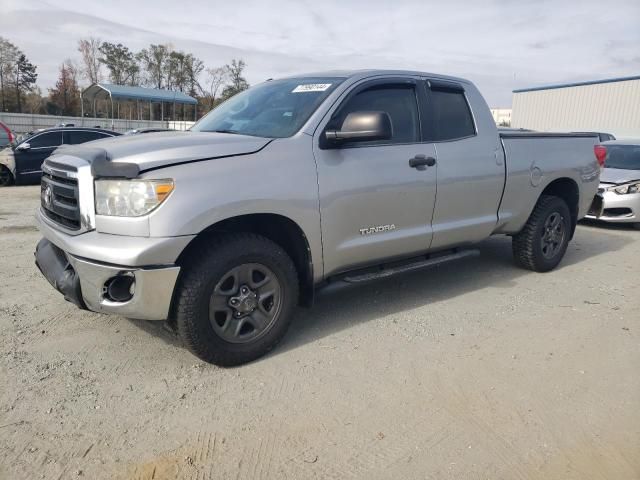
[
  {"x": 45, "y": 140},
  {"x": 398, "y": 101},
  {"x": 80, "y": 136},
  {"x": 450, "y": 116}
]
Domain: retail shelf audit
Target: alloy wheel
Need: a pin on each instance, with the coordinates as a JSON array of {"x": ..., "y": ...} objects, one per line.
[{"x": 245, "y": 303}]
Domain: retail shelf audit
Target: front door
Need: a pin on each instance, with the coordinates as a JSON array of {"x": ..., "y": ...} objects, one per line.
[
  {"x": 29, "y": 161},
  {"x": 373, "y": 204}
]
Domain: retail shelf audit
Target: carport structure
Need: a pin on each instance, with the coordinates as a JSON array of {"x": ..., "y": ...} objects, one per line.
[{"x": 124, "y": 93}]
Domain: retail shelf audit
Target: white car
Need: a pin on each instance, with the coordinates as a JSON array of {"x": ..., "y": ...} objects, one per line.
[{"x": 619, "y": 182}]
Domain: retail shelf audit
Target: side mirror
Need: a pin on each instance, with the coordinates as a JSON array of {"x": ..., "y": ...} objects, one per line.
[
  {"x": 23, "y": 146},
  {"x": 362, "y": 127}
]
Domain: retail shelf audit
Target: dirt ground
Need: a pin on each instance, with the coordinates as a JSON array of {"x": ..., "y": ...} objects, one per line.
[{"x": 472, "y": 370}]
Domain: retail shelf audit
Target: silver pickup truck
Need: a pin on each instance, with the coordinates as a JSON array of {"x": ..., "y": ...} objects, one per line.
[{"x": 295, "y": 185}]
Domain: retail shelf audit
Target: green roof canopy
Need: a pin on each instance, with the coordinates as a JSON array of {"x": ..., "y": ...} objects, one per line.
[{"x": 106, "y": 91}]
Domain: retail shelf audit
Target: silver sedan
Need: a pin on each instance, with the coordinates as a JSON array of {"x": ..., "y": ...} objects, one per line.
[{"x": 619, "y": 183}]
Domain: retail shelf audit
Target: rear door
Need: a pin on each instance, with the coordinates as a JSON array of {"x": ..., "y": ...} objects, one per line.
[
  {"x": 41, "y": 145},
  {"x": 373, "y": 204},
  {"x": 470, "y": 166}
]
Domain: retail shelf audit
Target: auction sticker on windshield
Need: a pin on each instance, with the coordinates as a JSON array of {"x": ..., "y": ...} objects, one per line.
[{"x": 311, "y": 87}]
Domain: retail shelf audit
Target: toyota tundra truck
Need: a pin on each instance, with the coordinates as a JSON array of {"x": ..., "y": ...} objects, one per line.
[{"x": 296, "y": 185}]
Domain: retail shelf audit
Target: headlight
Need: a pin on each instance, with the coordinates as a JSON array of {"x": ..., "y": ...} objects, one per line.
[
  {"x": 628, "y": 188},
  {"x": 130, "y": 198}
]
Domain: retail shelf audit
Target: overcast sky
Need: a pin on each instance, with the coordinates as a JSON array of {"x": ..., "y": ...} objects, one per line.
[{"x": 501, "y": 45}]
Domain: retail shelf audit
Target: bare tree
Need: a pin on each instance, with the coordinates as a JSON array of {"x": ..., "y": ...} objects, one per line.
[
  {"x": 65, "y": 96},
  {"x": 89, "y": 49},
  {"x": 34, "y": 101},
  {"x": 216, "y": 79}
]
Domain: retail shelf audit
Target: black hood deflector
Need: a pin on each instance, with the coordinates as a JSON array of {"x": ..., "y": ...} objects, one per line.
[{"x": 103, "y": 166}]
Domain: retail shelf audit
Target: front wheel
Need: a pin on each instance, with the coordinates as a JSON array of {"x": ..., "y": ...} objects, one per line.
[
  {"x": 235, "y": 299},
  {"x": 543, "y": 241},
  {"x": 6, "y": 177}
]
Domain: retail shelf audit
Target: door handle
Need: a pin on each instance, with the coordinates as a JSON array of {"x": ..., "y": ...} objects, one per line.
[{"x": 422, "y": 161}]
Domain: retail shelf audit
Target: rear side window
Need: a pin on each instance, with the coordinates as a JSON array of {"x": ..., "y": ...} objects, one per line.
[
  {"x": 51, "y": 139},
  {"x": 398, "y": 101},
  {"x": 450, "y": 116},
  {"x": 75, "y": 138}
]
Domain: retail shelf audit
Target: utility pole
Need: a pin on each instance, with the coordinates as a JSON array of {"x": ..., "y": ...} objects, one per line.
[
  {"x": 18, "y": 86},
  {"x": 2, "y": 85}
]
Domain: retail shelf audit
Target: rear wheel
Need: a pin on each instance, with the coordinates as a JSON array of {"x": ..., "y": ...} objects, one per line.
[
  {"x": 235, "y": 299},
  {"x": 543, "y": 241},
  {"x": 6, "y": 177}
]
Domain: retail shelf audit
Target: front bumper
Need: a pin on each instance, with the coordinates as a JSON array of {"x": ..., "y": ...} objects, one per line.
[
  {"x": 83, "y": 282},
  {"x": 115, "y": 249},
  {"x": 618, "y": 208}
]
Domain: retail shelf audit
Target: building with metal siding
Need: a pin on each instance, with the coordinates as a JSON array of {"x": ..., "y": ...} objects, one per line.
[{"x": 611, "y": 106}]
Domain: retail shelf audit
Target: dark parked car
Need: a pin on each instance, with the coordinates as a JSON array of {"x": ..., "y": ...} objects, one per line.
[
  {"x": 20, "y": 163},
  {"x": 6, "y": 135}
]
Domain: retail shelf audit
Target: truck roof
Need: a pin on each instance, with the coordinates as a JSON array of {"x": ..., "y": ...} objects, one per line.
[{"x": 366, "y": 73}]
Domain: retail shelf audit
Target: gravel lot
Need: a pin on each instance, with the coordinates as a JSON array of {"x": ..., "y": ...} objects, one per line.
[{"x": 472, "y": 370}]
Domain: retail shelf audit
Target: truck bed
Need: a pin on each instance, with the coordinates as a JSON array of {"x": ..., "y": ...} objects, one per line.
[{"x": 532, "y": 160}]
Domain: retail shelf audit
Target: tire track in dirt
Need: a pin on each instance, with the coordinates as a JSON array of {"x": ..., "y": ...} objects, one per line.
[
  {"x": 389, "y": 446},
  {"x": 458, "y": 405}
]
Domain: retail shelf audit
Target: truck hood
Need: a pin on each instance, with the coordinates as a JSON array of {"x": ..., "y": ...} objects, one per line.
[
  {"x": 155, "y": 150},
  {"x": 618, "y": 175}
]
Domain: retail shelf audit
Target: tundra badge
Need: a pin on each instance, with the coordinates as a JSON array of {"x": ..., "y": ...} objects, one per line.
[{"x": 378, "y": 229}]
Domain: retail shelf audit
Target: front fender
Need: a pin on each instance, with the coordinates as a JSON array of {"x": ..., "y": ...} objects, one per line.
[{"x": 280, "y": 180}]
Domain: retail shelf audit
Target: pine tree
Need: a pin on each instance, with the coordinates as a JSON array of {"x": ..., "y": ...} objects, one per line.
[{"x": 26, "y": 77}]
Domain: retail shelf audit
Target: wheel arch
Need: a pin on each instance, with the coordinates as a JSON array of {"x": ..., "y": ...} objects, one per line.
[
  {"x": 278, "y": 228},
  {"x": 567, "y": 189},
  {"x": 8, "y": 162}
]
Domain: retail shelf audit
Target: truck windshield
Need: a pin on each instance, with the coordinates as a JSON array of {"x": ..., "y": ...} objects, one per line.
[
  {"x": 274, "y": 109},
  {"x": 624, "y": 157}
]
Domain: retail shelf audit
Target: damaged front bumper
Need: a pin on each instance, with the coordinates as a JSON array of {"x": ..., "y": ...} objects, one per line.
[
  {"x": 611, "y": 207},
  {"x": 134, "y": 292}
]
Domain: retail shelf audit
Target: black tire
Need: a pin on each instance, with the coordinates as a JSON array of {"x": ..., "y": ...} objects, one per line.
[
  {"x": 202, "y": 273},
  {"x": 6, "y": 177},
  {"x": 532, "y": 247}
]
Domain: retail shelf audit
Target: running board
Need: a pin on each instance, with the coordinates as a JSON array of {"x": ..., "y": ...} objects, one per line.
[{"x": 424, "y": 262}]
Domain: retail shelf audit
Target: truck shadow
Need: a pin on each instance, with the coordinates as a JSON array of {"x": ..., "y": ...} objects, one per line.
[
  {"x": 494, "y": 268},
  {"x": 346, "y": 308}
]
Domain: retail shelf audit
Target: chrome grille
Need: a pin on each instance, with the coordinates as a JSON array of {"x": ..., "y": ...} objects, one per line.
[{"x": 59, "y": 198}]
